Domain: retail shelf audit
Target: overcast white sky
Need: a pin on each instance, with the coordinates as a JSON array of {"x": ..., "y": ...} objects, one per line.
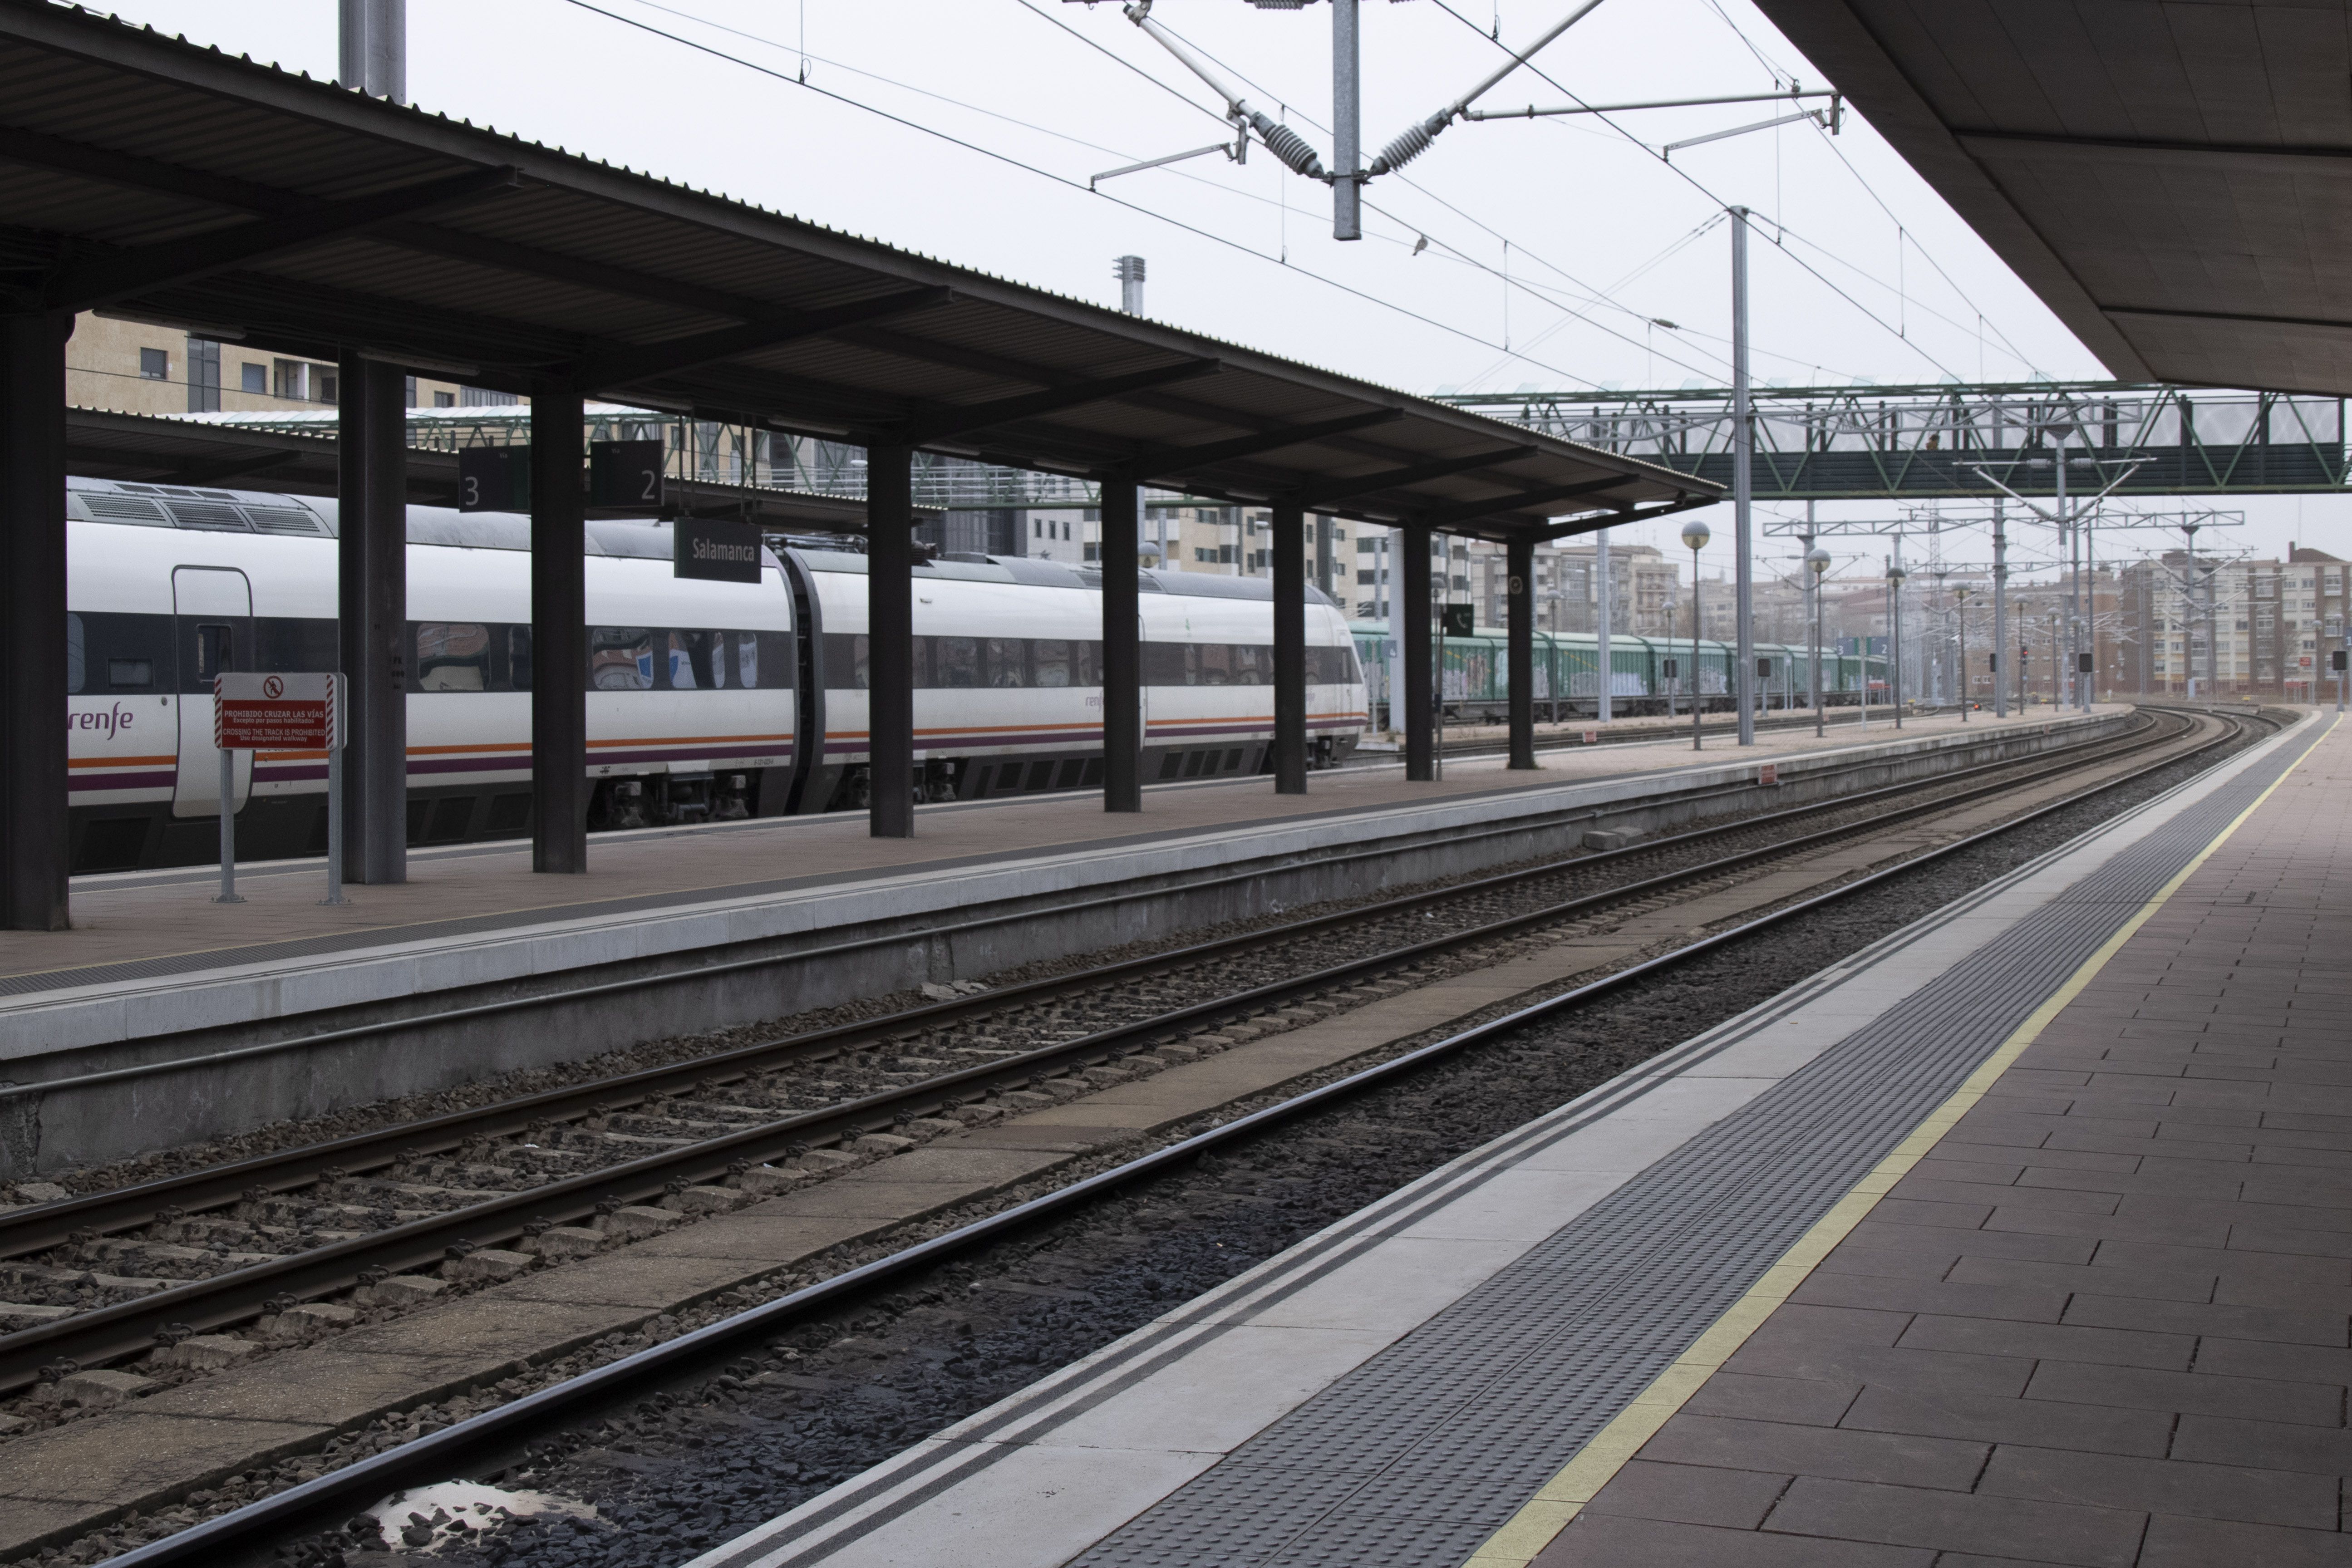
[{"x": 1554, "y": 244}]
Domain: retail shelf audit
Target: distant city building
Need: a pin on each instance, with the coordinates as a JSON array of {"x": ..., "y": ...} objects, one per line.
[{"x": 2234, "y": 627}]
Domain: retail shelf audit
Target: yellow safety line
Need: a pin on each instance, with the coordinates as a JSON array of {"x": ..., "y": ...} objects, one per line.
[{"x": 1533, "y": 1527}]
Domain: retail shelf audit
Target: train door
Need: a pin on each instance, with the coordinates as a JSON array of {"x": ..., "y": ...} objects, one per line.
[{"x": 212, "y": 614}]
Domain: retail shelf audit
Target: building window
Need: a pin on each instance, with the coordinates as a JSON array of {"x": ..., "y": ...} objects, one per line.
[
  {"x": 444, "y": 400},
  {"x": 204, "y": 375},
  {"x": 482, "y": 398},
  {"x": 254, "y": 378},
  {"x": 155, "y": 364}
]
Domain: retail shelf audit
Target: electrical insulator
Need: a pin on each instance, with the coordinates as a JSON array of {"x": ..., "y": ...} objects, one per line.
[
  {"x": 1409, "y": 146},
  {"x": 1289, "y": 146}
]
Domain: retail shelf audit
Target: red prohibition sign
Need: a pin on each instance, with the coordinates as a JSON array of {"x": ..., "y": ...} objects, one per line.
[{"x": 273, "y": 686}]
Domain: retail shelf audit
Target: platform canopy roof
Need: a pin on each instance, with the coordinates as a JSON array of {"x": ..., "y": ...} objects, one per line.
[
  {"x": 152, "y": 178},
  {"x": 146, "y": 448},
  {"x": 2172, "y": 177}
]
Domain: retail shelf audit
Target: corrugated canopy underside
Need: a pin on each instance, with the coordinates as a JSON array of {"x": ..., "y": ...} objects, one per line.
[
  {"x": 2174, "y": 178},
  {"x": 144, "y": 175}
]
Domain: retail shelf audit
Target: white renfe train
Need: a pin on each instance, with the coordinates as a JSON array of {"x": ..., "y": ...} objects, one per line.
[{"x": 705, "y": 701}]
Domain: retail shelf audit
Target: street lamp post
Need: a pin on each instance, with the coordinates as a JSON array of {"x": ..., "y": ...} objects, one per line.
[
  {"x": 1818, "y": 559},
  {"x": 1894, "y": 575},
  {"x": 1960, "y": 613},
  {"x": 1695, "y": 535}
]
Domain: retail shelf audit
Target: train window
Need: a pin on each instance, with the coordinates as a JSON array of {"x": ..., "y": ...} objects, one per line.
[
  {"x": 921, "y": 659},
  {"x": 698, "y": 660},
  {"x": 620, "y": 658},
  {"x": 956, "y": 660},
  {"x": 215, "y": 652},
  {"x": 129, "y": 672},
  {"x": 1008, "y": 660},
  {"x": 1052, "y": 657},
  {"x": 1216, "y": 663},
  {"x": 452, "y": 655},
  {"x": 1089, "y": 671},
  {"x": 518, "y": 658},
  {"x": 296, "y": 642},
  {"x": 747, "y": 659},
  {"x": 1253, "y": 665},
  {"x": 76, "y": 658}
]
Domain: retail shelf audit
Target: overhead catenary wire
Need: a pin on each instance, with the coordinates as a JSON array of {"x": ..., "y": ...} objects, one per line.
[
  {"x": 1868, "y": 189},
  {"x": 1455, "y": 253},
  {"x": 1594, "y": 295},
  {"x": 1011, "y": 161},
  {"x": 1694, "y": 183}
]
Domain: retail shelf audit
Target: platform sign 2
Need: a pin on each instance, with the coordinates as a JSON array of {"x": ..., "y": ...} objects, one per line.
[
  {"x": 1455, "y": 621},
  {"x": 280, "y": 711},
  {"x": 716, "y": 551},
  {"x": 494, "y": 479},
  {"x": 625, "y": 474}
]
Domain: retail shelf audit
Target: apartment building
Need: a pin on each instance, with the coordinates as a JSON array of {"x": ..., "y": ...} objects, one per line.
[
  {"x": 2234, "y": 627},
  {"x": 134, "y": 367}
]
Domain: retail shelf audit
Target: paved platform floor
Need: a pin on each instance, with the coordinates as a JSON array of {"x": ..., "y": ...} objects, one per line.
[
  {"x": 2103, "y": 1320},
  {"x": 1805, "y": 1289},
  {"x": 143, "y": 917}
]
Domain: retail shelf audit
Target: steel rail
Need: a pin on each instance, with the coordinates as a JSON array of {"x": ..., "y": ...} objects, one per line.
[
  {"x": 44, "y": 1226},
  {"x": 487, "y": 1442},
  {"x": 109, "y": 1333},
  {"x": 473, "y": 1011}
]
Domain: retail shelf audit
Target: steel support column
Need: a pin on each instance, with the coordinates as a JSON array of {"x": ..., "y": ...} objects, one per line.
[
  {"x": 1290, "y": 649},
  {"x": 559, "y": 631},
  {"x": 1122, "y": 643},
  {"x": 371, "y": 602},
  {"x": 1743, "y": 447},
  {"x": 2000, "y": 610},
  {"x": 1420, "y": 684},
  {"x": 890, "y": 640},
  {"x": 34, "y": 843},
  {"x": 1519, "y": 623}
]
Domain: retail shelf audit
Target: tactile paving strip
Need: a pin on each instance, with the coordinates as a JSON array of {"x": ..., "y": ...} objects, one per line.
[{"x": 1425, "y": 1450}]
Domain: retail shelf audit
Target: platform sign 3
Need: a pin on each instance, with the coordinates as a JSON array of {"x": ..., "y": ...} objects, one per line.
[
  {"x": 279, "y": 711},
  {"x": 494, "y": 479}
]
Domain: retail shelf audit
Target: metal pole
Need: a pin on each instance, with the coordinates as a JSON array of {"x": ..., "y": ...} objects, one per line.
[
  {"x": 372, "y": 56},
  {"x": 1519, "y": 620},
  {"x": 35, "y": 831},
  {"x": 1894, "y": 631},
  {"x": 890, "y": 770},
  {"x": 1820, "y": 701},
  {"x": 1415, "y": 653},
  {"x": 228, "y": 893},
  {"x": 1346, "y": 125},
  {"x": 1122, "y": 665},
  {"x": 1695, "y": 682},
  {"x": 1290, "y": 649},
  {"x": 335, "y": 824},
  {"x": 1960, "y": 616},
  {"x": 559, "y": 633},
  {"x": 371, "y": 597},
  {"x": 1743, "y": 447},
  {"x": 1999, "y": 609},
  {"x": 1608, "y": 678}
]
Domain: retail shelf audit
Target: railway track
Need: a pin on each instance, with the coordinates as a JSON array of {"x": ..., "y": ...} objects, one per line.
[
  {"x": 487, "y": 1442},
  {"x": 217, "y": 1248},
  {"x": 1466, "y": 738}
]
